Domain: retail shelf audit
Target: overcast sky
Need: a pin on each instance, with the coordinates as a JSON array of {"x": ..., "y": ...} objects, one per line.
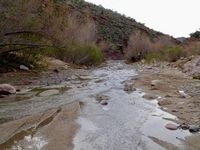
[{"x": 174, "y": 17}]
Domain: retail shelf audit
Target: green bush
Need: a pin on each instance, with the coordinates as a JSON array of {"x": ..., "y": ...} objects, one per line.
[
  {"x": 195, "y": 35},
  {"x": 171, "y": 54},
  {"x": 79, "y": 54}
]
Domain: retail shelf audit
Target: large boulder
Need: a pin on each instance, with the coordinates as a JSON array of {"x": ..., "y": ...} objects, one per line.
[
  {"x": 192, "y": 67},
  {"x": 6, "y": 89}
]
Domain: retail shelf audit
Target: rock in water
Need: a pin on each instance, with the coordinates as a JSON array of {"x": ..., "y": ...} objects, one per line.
[
  {"x": 6, "y": 89},
  {"x": 25, "y": 68},
  {"x": 100, "y": 98},
  {"x": 194, "y": 128},
  {"x": 129, "y": 87},
  {"x": 184, "y": 126},
  {"x": 104, "y": 102},
  {"x": 171, "y": 126},
  {"x": 49, "y": 93}
]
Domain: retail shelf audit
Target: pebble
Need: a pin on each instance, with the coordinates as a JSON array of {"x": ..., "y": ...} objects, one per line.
[
  {"x": 171, "y": 126},
  {"x": 23, "y": 67},
  {"x": 182, "y": 94},
  {"x": 104, "y": 102}
]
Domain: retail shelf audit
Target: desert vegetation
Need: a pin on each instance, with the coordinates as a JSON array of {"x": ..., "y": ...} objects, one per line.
[
  {"x": 32, "y": 28},
  {"x": 140, "y": 46},
  {"x": 74, "y": 31},
  {"x": 196, "y": 34},
  {"x": 113, "y": 28}
]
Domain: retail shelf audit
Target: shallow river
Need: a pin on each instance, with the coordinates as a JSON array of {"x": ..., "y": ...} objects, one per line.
[{"x": 128, "y": 122}]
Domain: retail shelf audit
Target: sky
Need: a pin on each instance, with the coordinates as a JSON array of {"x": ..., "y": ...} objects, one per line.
[{"x": 178, "y": 18}]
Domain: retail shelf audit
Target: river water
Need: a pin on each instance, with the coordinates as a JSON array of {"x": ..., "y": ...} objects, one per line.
[{"x": 128, "y": 122}]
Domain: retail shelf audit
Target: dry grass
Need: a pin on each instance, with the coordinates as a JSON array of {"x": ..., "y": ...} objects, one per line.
[{"x": 139, "y": 45}]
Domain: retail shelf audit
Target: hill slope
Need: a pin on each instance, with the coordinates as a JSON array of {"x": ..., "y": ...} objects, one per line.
[
  {"x": 58, "y": 26},
  {"x": 112, "y": 26}
]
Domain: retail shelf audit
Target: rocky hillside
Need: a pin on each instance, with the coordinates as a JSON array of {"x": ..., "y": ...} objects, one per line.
[
  {"x": 112, "y": 26},
  {"x": 71, "y": 30}
]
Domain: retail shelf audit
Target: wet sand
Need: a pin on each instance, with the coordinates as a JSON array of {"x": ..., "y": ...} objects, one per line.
[{"x": 178, "y": 93}]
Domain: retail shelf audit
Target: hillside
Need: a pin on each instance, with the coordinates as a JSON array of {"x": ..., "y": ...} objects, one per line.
[
  {"x": 71, "y": 30},
  {"x": 112, "y": 26}
]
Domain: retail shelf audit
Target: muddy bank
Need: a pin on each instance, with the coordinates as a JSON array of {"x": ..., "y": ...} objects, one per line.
[{"x": 176, "y": 92}]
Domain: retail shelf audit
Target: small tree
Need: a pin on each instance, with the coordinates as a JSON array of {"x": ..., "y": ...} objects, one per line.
[{"x": 195, "y": 35}]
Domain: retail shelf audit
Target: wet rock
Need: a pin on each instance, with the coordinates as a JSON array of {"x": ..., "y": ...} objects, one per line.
[
  {"x": 49, "y": 93},
  {"x": 23, "y": 67},
  {"x": 6, "y": 89},
  {"x": 184, "y": 126},
  {"x": 18, "y": 90},
  {"x": 194, "y": 128},
  {"x": 171, "y": 126},
  {"x": 129, "y": 87},
  {"x": 149, "y": 97},
  {"x": 104, "y": 102},
  {"x": 102, "y": 98}
]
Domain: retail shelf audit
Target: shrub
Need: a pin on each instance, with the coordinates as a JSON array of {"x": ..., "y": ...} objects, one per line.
[
  {"x": 88, "y": 54},
  {"x": 138, "y": 45},
  {"x": 195, "y": 35},
  {"x": 171, "y": 54},
  {"x": 28, "y": 24}
]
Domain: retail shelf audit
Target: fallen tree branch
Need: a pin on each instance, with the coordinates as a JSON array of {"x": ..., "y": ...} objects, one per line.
[{"x": 22, "y": 32}]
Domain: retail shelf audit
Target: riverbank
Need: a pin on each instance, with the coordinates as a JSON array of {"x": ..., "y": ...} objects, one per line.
[{"x": 175, "y": 91}]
